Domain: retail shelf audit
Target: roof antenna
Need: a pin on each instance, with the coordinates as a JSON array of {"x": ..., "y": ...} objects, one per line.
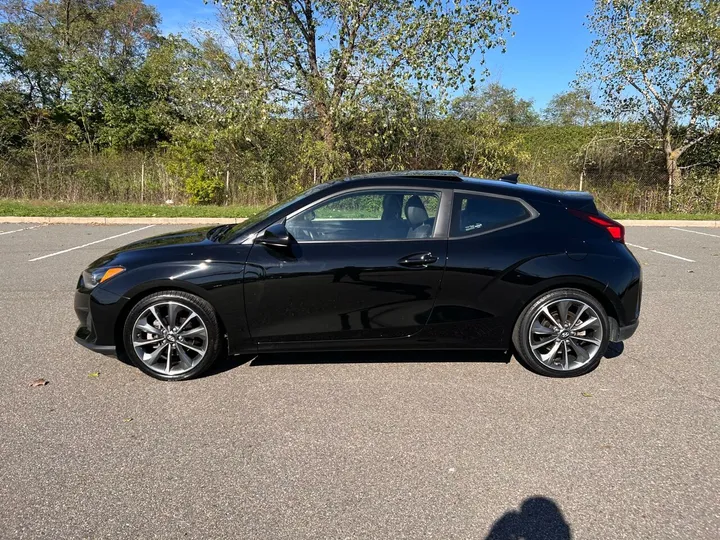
[{"x": 511, "y": 178}]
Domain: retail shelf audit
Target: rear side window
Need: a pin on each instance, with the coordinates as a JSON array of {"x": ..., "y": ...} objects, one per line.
[{"x": 475, "y": 214}]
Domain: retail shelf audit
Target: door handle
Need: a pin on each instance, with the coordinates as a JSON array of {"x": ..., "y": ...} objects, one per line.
[{"x": 418, "y": 260}]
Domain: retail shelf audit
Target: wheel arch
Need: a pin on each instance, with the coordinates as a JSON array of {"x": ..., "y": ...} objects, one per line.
[
  {"x": 137, "y": 294},
  {"x": 594, "y": 288}
]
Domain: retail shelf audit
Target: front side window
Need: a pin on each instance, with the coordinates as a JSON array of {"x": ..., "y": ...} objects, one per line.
[
  {"x": 475, "y": 214},
  {"x": 395, "y": 214}
]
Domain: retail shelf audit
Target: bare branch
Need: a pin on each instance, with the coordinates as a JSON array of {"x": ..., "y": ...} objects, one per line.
[{"x": 701, "y": 138}]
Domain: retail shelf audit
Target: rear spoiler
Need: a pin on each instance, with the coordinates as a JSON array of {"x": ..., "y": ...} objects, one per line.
[{"x": 578, "y": 200}]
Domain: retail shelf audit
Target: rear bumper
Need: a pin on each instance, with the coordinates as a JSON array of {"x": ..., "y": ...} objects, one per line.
[{"x": 626, "y": 332}]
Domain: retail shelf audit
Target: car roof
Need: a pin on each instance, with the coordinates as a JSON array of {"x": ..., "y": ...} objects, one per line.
[{"x": 450, "y": 180}]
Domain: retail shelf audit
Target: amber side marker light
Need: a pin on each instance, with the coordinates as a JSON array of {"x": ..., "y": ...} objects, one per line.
[{"x": 110, "y": 272}]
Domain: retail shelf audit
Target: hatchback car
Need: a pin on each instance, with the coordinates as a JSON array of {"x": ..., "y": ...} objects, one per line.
[{"x": 411, "y": 260}]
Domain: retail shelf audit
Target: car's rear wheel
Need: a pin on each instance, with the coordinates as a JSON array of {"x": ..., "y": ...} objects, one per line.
[
  {"x": 172, "y": 335},
  {"x": 563, "y": 333}
]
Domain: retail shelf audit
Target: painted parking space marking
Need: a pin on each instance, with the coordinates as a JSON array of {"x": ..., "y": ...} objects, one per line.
[
  {"x": 661, "y": 252},
  {"x": 20, "y": 230},
  {"x": 695, "y": 232},
  {"x": 90, "y": 243}
]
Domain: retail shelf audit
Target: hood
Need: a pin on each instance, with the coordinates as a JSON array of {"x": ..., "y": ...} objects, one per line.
[
  {"x": 179, "y": 239},
  {"x": 190, "y": 236}
]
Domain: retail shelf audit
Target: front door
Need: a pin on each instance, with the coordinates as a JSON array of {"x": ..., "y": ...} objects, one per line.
[{"x": 364, "y": 265}]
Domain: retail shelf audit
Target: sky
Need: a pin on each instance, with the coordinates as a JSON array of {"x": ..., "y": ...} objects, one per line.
[{"x": 542, "y": 58}]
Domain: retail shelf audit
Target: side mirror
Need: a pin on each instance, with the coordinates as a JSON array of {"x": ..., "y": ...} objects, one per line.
[{"x": 275, "y": 236}]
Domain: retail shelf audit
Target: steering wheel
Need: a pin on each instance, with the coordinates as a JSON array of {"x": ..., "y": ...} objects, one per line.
[
  {"x": 307, "y": 232},
  {"x": 304, "y": 228}
]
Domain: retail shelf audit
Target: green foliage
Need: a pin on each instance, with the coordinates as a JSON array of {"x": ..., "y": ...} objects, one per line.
[
  {"x": 572, "y": 108},
  {"x": 335, "y": 59},
  {"x": 482, "y": 147},
  {"x": 658, "y": 62},
  {"x": 95, "y": 105},
  {"x": 497, "y": 102},
  {"x": 203, "y": 188},
  {"x": 12, "y": 107}
]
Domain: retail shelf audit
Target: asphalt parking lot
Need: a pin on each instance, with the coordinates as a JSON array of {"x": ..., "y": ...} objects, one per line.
[{"x": 417, "y": 445}]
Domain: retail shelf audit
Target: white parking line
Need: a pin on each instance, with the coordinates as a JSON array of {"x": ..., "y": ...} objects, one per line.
[
  {"x": 696, "y": 232},
  {"x": 19, "y": 230},
  {"x": 90, "y": 243},
  {"x": 661, "y": 253}
]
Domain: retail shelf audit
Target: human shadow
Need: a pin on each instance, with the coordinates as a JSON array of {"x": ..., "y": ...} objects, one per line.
[{"x": 538, "y": 518}]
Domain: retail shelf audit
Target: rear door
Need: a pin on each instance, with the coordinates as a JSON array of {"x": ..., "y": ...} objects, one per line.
[{"x": 359, "y": 268}]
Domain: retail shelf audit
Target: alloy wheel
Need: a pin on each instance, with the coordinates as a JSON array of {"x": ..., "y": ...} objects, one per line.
[
  {"x": 170, "y": 338},
  {"x": 565, "y": 334}
]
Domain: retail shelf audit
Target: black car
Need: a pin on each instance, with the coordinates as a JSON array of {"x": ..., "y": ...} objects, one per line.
[{"x": 411, "y": 260}]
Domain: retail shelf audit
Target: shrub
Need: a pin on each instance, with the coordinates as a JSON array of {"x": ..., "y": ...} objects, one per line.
[{"x": 203, "y": 188}]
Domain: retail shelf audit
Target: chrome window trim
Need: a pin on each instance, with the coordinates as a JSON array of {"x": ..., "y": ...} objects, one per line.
[
  {"x": 533, "y": 213},
  {"x": 442, "y": 220}
]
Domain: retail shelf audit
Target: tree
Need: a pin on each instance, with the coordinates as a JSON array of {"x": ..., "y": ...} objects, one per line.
[
  {"x": 43, "y": 42},
  {"x": 329, "y": 56},
  {"x": 67, "y": 55},
  {"x": 499, "y": 103},
  {"x": 480, "y": 147},
  {"x": 571, "y": 108},
  {"x": 659, "y": 62}
]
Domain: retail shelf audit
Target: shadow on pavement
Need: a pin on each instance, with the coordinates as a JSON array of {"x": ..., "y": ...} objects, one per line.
[
  {"x": 538, "y": 518},
  {"x": 614, "y": 349},
  {"x": 379, "y": 357},
  {"x": 366, "y": 357}
]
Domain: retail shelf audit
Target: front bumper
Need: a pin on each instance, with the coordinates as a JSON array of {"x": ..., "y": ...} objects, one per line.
[
  {"x": 97, "y": 310},
  {"x": 81, "y": 337}
]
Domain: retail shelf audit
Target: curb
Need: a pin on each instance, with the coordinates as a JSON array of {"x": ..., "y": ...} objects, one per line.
[
  {"x": 669, "y": 223},
  {"x": 99, "y": 220},
  {"x": 222, "y": 221}
]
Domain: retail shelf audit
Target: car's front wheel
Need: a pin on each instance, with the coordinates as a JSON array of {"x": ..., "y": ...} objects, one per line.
[
  {"x": 563, "y": 333},
  {"x": 172, "y": 335}
]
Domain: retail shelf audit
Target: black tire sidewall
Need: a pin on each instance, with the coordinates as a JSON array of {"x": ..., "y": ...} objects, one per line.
[
  {"x": 522, "y": 328},
  {"x": 200, "y": 306}
]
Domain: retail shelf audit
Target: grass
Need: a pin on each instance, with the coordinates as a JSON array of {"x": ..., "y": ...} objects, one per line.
[
  {"x": 29, "y": 208},
  {"x": 55, "y": 208}
]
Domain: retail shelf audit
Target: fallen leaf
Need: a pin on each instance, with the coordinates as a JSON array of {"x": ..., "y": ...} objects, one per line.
[
  {"x": 39, "y": 382},
  {"x": 94, "y": 374},
  {"x": 585, "y": 394}
]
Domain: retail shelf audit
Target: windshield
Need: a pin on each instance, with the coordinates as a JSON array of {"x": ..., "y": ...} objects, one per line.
[{"x": 233, "y": 231}]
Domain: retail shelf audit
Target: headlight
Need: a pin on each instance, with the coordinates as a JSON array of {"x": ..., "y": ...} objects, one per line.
[{"x": 91, "y": 278}]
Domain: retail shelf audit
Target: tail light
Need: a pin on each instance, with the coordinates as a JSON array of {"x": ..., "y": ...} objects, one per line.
[{"x": 614, "y": 229}]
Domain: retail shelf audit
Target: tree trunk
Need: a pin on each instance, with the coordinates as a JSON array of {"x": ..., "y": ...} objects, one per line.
[
  {"x": 673, "y": 171},
  {"x": 327, "y": 129}
]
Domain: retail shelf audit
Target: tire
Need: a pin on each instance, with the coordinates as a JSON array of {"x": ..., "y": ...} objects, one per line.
[
  {"x": 177, "y": 322},
  {"x": 549, "y": 336}
]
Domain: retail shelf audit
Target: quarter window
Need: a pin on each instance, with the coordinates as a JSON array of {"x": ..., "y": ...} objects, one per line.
[
  {"x": 474, "y": 214},
  {"x": 368, "y": 215}
]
